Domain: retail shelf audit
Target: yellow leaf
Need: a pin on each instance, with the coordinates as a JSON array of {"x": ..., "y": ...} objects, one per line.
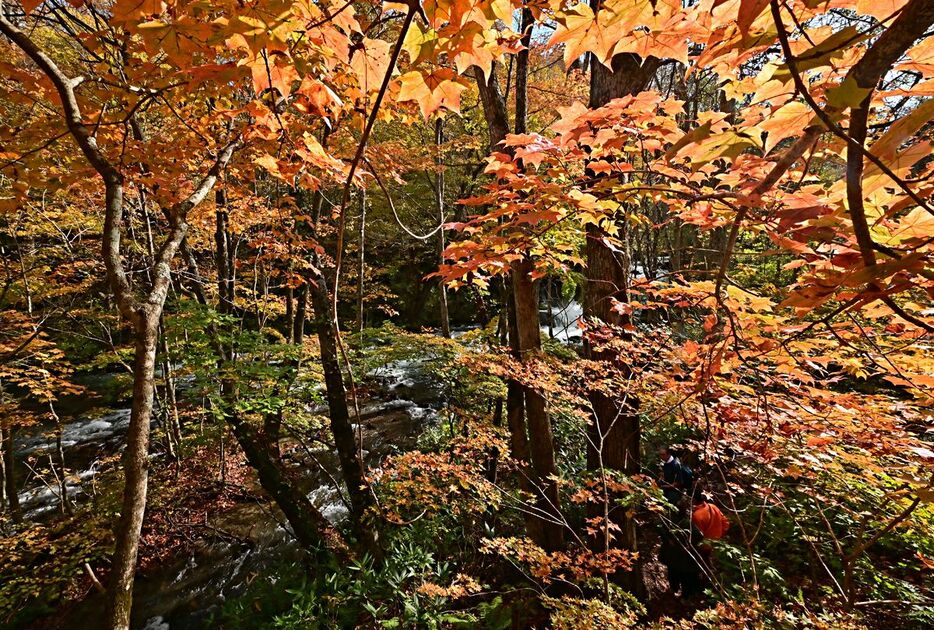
[
  {"x": 919, "y": 223},
  {"x": 788, "y": 121},
  {"x": 432, "y": 91}
]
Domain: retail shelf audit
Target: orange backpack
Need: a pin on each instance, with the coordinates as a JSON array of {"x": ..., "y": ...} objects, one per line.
[{"x": 711, "y": 522}]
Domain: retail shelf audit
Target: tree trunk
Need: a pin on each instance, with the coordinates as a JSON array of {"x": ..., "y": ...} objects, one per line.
[
  {"x": 310, "y": 527},
  {"x": 173, "y": 430},
  {"x": 614, "y": 435},
  {"x": 524, "y": 333},
  {"x": 6, "y": 437},
  {"x": 361, "y": 260},
  {"x": 515, "y": 420},
  {"x": 289, "y": 314},
  {"x": 439, "y": 204},
  {"x": 341, "y": 427},
  {"x": 529, "y": 337},
  {"x": 630, "y": 75},
  {"x": 136, "y": 469},
  {"x": 550, "y": 302},
  {"x": 223, "y": 255},
  {"x": 301, "y": 310},
  {"x": 541, "y": 442},
  {"x": 2, "y": 473},
  {"x": 494, "y": 107},
  {"x": 65, "y": 503}
]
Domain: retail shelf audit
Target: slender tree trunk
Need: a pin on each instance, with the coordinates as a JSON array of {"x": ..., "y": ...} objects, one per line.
[
  {"x": 361, "y": 260},
  {"x": 345, "y": 441},
  {"x": 528, "y": 334},
  {"x": 439, "y": 204},
  {"x": 6, "y": 436},
  {"x": 289, "y": 314},
  {"x": 173, "y": 433},
  {"x": 173, "y": 428},
  {"x": 66, "y": 506},
  {"x": 549, "y": 291},
  {"x": 518, "y": 430},
  {"x": 308, "y": 524},
  {"x": 136, "y": 470},
  {"x": 301, "y": 312},
  {"x": 2, "y": 472},
  {"x": 504, "y": 322},
  {"x": 223, "y": 255},
  {"x": 222, "y": 454},
  {"x": 524, "y": 333}
]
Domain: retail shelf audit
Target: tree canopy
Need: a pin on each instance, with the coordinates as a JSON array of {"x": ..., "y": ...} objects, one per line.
[{"x": 434, "y": 281}]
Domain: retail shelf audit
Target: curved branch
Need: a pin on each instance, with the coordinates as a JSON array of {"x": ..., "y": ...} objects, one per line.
[
  {"x": 392, "y": 206},
  {"x": 178, "y": 221},
  {"x": 414, "y": 7},
  {"x": 866, "y": 74},
  {"x": 113, "y": 178},
  {"x": 868, "y": 71}
]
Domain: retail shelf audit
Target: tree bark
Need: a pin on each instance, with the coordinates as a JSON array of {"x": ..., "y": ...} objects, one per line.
[
  {"x": 614, "y": 436},
  {"x": 222, "y": 254},
  {"x": 301, "y": 312},
  {"x": 345, "y": 441},
  {"x": 439, "y": 204},
  {"x": 536, "y": 447},
  {"x": 64, "y": 502},
  {"x": 2, "y": 471},
  {"x": 136, "y": 471},
  {"x": 6, "y": 437},
  {"x": 289, "y": 314},
  {"x": 541, "y": 442},
  {"x": 310, "y": 527},
  {"x": 361, "y": 260}
]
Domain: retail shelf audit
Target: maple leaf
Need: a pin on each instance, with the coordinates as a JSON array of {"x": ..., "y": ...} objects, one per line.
[
  {"x": 179, "y": 39},
  {"x": 474, "y": 46},
  {"x": 921, "y": 57},
  {"x": 267, "y": 75},
  {"x": 581, "y": 32},
  {"x": 879, "y": 9},
  {"x": 320, "y": 98},
  {"x": 887, "y": 145},
  {"x": 270, "y": 163},
  {"x": 919, "y": 223},
  {"x": 749, "y": 10},
  {"x": 420, "y": 43},
  {"x": 370, "y": 61},
  {"x": 432, "y": 91},
  {"x": 570, "y": 118},
  {"x": 129, "y": 10},
  {"x": 787, "y": 121},
  {"x": 30, "y": 5}
]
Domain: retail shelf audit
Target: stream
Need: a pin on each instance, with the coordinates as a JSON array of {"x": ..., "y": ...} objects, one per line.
[{"x": 187, "y": 591}]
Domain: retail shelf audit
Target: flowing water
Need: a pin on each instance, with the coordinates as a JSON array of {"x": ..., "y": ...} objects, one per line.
[
  {"x": 187, "y": 591},
  {"x": 564, "y": 322}
]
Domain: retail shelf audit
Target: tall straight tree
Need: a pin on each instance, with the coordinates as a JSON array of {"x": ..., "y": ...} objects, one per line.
[
  {"x": 439, "y": 203},
  {"x": 527, "y": 412},
  {"x": 142, "y": 312},
  {"x": 614, "y": 435}
]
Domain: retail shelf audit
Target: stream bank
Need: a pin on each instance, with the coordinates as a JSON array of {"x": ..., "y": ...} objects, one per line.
[{"x": 209, "y": 559}]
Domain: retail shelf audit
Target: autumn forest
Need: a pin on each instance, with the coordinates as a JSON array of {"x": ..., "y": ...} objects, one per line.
[{"x": 495, "y": 314}]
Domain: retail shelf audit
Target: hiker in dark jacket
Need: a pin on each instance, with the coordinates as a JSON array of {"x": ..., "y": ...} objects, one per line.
[
  {"x": 680, "y": 554},
  {"x": 676, "y": 478}
]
